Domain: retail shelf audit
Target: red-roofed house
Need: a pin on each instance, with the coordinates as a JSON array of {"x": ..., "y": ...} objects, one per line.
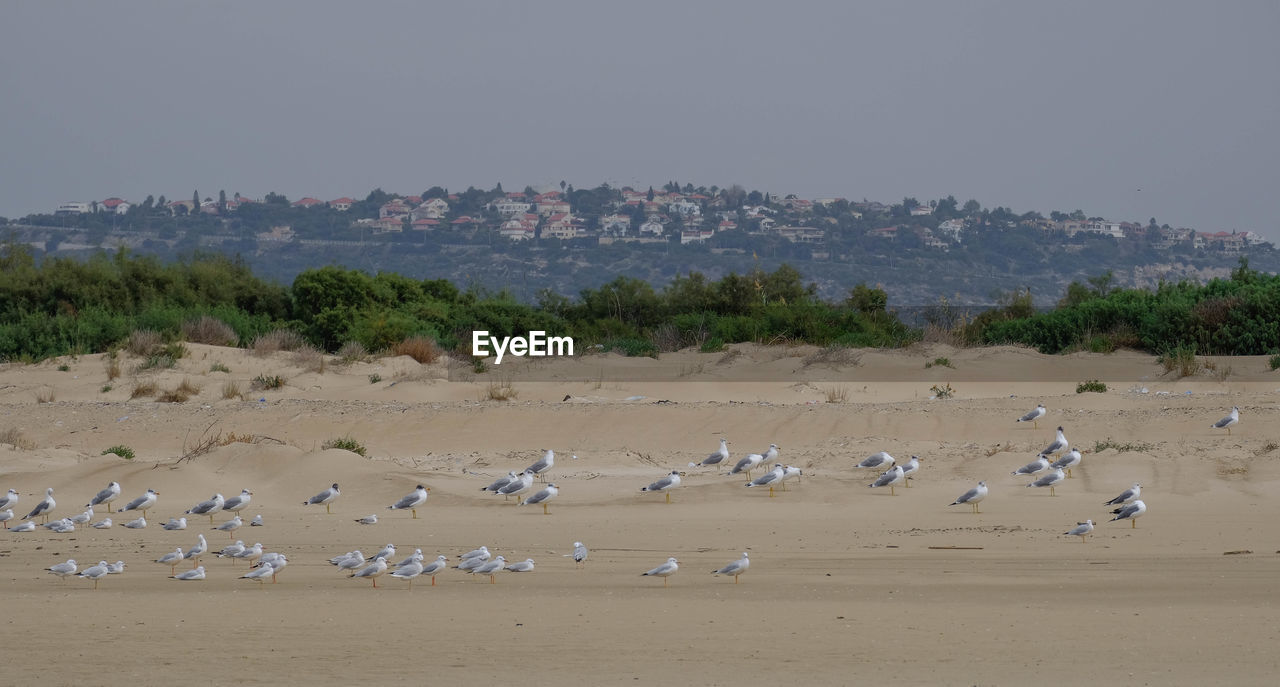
[
  {"x": 307, "y": 202},
  {"x": 342, "y": 204},
  {"x": 395, "y": 207},
  {"x": 694, "y": 235},
  {"x": 425, "y": 224}
]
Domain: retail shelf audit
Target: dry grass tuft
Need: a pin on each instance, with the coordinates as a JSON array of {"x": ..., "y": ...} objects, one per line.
[
  {"x": 278, "y": 340},
  {"x": 16, "y": 439},
  {"x": 143, "y": 388},
  {"x": 209, "y": 330},
  {"x": 501, "y": 391},
  {"x": 233, "y": 438},
  {"x": 310, "y": 359},
  {"x": 353, "y": 352},
  {"x": 46, "y": 395},
  {"x": 835, "y": 356},
  {"x": 143, "y": 341},
  {"x": 729, "y": 356},
  {"x": 112, "y": 363},
  {"x": 179, "y": 394},
  {"x": 231, "y": 389},
  {"x": 420, "y": 348},
  {"x": 836, "y": 394}
]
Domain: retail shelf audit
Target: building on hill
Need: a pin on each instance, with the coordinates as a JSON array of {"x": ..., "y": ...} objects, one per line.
[
  {"x": 74, "y": 208},
  {"x": 653, "y": 226},
  {"x": 307, "y": 202},
  {"x": 695, "y": 235},
  {"x": 342, "y": 204},
  {"x": 802, "y": 234}
]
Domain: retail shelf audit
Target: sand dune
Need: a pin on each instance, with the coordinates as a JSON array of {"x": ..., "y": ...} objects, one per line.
[{"x": 847, "y": 584}]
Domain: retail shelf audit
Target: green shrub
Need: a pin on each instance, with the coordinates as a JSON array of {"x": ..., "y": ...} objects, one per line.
[
  {"x": 375, "y": 378},
  {"x": 712, "y": 345},
  {"x": 346, "y": 443},
  {"x": 632, "y": 348},
  {"x": 1181, "y": 359},
  {"x": 120, "y": 450},
  {"x": 1092, "y": 385},
  {"x": 940, "y": 362},
  {"x": 944, "y": 391},
  {"x": 219, "y": 367},
  {"x": 268, "y": 382},
  {"x": 1274, "y": 362}
]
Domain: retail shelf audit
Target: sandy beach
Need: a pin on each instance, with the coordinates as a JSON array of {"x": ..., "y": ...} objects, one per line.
[{"x": 847, "y": 585}]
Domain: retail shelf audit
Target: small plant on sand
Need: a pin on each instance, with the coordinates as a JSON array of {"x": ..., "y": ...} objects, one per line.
[
  {"x": 64, "y": 368},
  {"x": 111, "y": 361},
  {"x": 120, "y": 450},
  {"x": 1274, "y": 362},
  {"x": 106, "y": 388},
  {"x": 353, "y": 352},
  {"x": 1181, "y": 359},
  {"x": 478, "y": 366},
  {"x": 46, "y": 395},
  {"x": 940, "y": 362},
  {"x": 712, "y": 345},
  {"x": 278, "y": 340},
  {"x": 179, "y": 394},
  {"x": 268, "y": 382},
  {"x": 209, "y": 330},
  {"x": 501, "y": 391},
  {"x": 143, "y": 341},
  {"x": 346, "y": 443},
  {"x": 835, "y": 356},
  {"x": 944, "y": 391},
  {"x": 231, "y": 389},
  {"x": 420, "y": 348},
  {"x": 1092, "y": 385},
  {"x": 219, "y": 367},
  {"x": 1128, "y": 447},
  {"x": 375, "y": 378},
  {"x": 14, "y": 438},
  {"x": 836, "y": 394},
  {"x": 309, "y": 358},
  {"x": 144, "y": 388}
]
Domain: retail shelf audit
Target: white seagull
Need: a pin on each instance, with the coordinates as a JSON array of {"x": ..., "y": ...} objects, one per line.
[
  {"x": 387, "y": 552},
  {"x": 256, "y": 521},
  {"x": 889, "y": 478},
  {"x": 208, "y": 507},
  {"x": 111, "y": 493},
  {"x": 1058, "y": 446},
  {"x": 250, "y": 553},
  {"x": 434, "y": 567},
  {"x": 474, "y": 553},
  {"x": 235, "y": 504},
  {"x": 354, "y": 560},
  {"x": 412, "y": 501},
  {"x": 523, "y": 483},
  {"x": 716, "y": 458},
  {"x": 543, "y": 465},
  {"x": 82, "y": 518},
  {"x": 9, "y": 500},
  {"x": 1081, "y": 530},
  {"x": 501, "y": 482},
  {"x": 62, "y": 570},
  {"x": 542, "y": 497},
  {"x": 769, "y": 479},
  {"x": 187, "y": 575},
  {"x": 95, "y": 573},
  {"x": 103, "y": 524},
  {"x": 408, "y": 572},
  {"x": 415, "y": 556},
  {"x": 1127, "y": 496},
  {"x": 28, "y": 526},
  {"x": 1034, "y": 416},
  {"x": 142, "y": 503},
  {"x": 372, "y": 571},
  {"x": 878, "y": 460},
  {"x": 789, "y": 471},
  {"x": 664, "y": 571},
  {"x": 115, "y": 568},
  {"x": 137, "y": 523},
  {"x": 1231, "y": 418},
  {"x": 231, "y": 549},
  {"x": 194, "y": 553},
  {"x": 1130, "y": 512},
  {"x": 1050, "y": 480},
  {"x": 735, "y": 568},
  {"x": 490, "y": 568},
  {"x": 580, "y": 554},
  {"x": 176, "y": 524},
  {"x": 666, "y": 484},
  {"x": 972, "y": 497},
  {"x": 171, "y": 559},
  {"x": 747, "y": 464},
  {"x": 370, "y": 519},
  {"x": 230, "y": 526},
  {"x": 525, "y": 565},
  {"x": 42, "y": 509},
  {"x": 1069, "y": 460},
  {"x": 1040, "y": 464},
  {"x": 259, "y": 574},
  {"x": 325, "y": 497},
  {"x": 5, "y": 516},
  {"x": 912, "y": 467}
]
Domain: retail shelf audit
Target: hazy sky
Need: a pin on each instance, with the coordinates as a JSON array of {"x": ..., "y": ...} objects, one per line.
[{"x": 1123, "y": 109}]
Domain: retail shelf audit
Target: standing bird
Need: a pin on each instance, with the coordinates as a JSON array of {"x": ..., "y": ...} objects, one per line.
[
  {"x": 1040, "y": 464},
  {"x": 1059, "y": 444},
  {"x": 235, "y": 504},
  {"x": 482, "y": 553},
  {"x": 543, "y": 465},
  {"x": 716, "y": 458},
  {"x": 664, "y": 571},
  {"x": 194, "y": 553},
  {"x": 1082, "y": 530},
  {"x": 1130, "y": 512},
  {"x": 5, "y": 516},
  {"x": 878, "y": 460},
  {"x": 251, "y": 553},
  {"x": 171, "y": 559},
  {"x": 276, "y": 561},
  {"x": 890, "y": 477},
  {"x": 230, "y": 526},
  {"x": 208, "y": 508},
  {"x": 1034, "y": 416},
  {"x": 188, "y": 575},
  {"x": 353, "y": 560},
  {"x": 82, "y": 518},
  {"x": 912, "y": 467},
  {"x": 412, "y": 501},
  {"x": 95, "y": 573},
  {"x": 434, "y": 567},
  {"x": 1067, "y": 461},
  {"x": 142, "y": 503},
  {"x": 408, "y": 572},
  {"x": 973, "y": 497},
  {"x": 111, "y": 493},
  {"x": 372, "y": 571},
  {"x": 176, "y": 524},
  {"x": 231, "y": 550},
  {"x": 326, "y": 497},
  {"x": 789, "y": 471},
  {"x": 42, "y": 509},
  {"x": 772, "y": 454},
  {"x": 747, "y": 464},
  {"x": 62, "y": 570},
  {"x": 9, "y": 500},
  {"x": 666, "y": 484},
  {"x": 501, "y": 482},
  {"x": 522, "y": 484},
  {"x": 387, "y": 552},
  {"x": 580, "y": 554},
  {"x": 542, "y": 497},
  {"x": 1232, "y": 418},
  {"x": 1127, "y": 496},
  {"x": 769, "y": 479},
  {"x": 1050, "y": 480},
  {"x": 260, "y": 574},
  {"x": 735, "y": 568},
  {"x": 415, "y": 556},
  {"x": 490, "y": 568}
]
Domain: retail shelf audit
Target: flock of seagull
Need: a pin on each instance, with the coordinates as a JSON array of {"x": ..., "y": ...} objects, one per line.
[{"x": 1047, "y": 470}]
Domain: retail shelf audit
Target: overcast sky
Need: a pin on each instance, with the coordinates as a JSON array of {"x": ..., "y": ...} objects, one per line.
[{"x": 1126, "y": 110}]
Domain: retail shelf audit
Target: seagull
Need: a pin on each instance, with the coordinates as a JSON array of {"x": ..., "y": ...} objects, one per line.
[
  {"x": 208, "y": 508},
  {"x": 1127, "y": 496},
  {"x": 326, "y": 497},
  {"x": 1081, "y": 530},
  {"x": 136, "y": 524},
  {"x": 351, "y": 562},
  {"x": 372, "y": 571},
  {"x": 1050, "y": 480},
  {"x": 1130, "y": 512},
  {"x": 666, "y": 484},
  {"x": 171, "y": 559},
  {"x": 142, "y": 503},
  {"x": 434, "y": 567},
  {"x": 25, "y": 527},
  {"x": 42, "y": 509},
  {"x": 415, "y": 556},
  {"x": 716, "y": 458},
  {"x": 371, "y": 519},
  {"x": 194, "y": 553},
  {"x": 973, "y": 497},
  {"x": 259, "y": 573},
  {"x": 580, "y": 554},
  {"x": 878, "y": 460},
  {"x": 235, "y": 504},
  {"x": 256, "y": 521},
  {"x": 789, "y": 471},
  {"x": 523, "y": 483},
  {"x": 62, "y": 570},
  {"x": 231, "y": 549},
  {"x": 490, "y": 568},
  {"x": 482, "y": 551},
  {"x": 95, "y": 573},
  {"x": 1226, "y": 422},
  {"x": 186, "y": 575},
  {"x": 115, "y": 568},
  {"x": 408, "y": 572},
  {"x": 412, "y": 501},
  {"x": 9, "y": 500},
  {"x": 501, "y": 482},
  {"x": 82, "y": 518},
  {"x": 1034, "y": 416},
  {"x": 176, "y": 524},
  {"x": 387, "y": 552},
  {"x": 230, "y": 526},
  {"x": 769, "y": 479},
  {"x": 469, "y": 564},
  {"x": 542, "y": 497},
  {"x": 276, "y": 562},
  {"x": 103, "y": 524},
  {"x": 889, "y": 478},
  {"x": 544, "y": 464},
  {"x": 747, "y": 464},
  {"x": 338, "y": 559},
  {"x": 525, "y": 565},
  {"x": 62, "y": 526},
  {"x": 909, "y": 469},
  {"x": 664, "y": 571},
  {"x": 1040, "y": 464},
  {"x": 771, "y": 455},
  {"x": 5, "y": 516},
  {"x": 735, "y": 568},
  {"x": 1067, "y": 461},
  {"x": 1059, "y": 444},
  {"x": 250, "y": 553},
  {"x": 111, "y": 493}
]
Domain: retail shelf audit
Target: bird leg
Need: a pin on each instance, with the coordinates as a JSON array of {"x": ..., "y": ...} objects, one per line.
[
  {"x": 1133, "y": 524},
  {"x": 108, "y": 507},
  {"x": 664, "y": 582},
  {"x": 415, "y": 513},
  {"x": 544, "y": 509},
  {"x": 770, "y": 492},
  {"x": 433, "y": 580},
  {"x": 735, "y": 579},
  {"x": 906, "y": 482},
  {"x": 668, "y": 497},
  {"x": 326, "y": 508},
  {"x": 891, "y": 491},
  {"x": 375, "y": 582},
  {"x": 491, "y": 578},
  {"x": 1051, "y": 492}
]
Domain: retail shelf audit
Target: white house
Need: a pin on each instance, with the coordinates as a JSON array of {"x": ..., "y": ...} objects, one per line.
[
  {"x": 653, "y": 226},
  {"x": 73, "y": 208}
]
